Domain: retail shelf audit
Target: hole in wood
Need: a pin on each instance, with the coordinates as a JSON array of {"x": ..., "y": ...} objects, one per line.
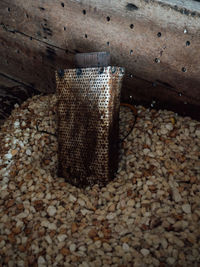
[
  {"x": 84, "y": 12},
  {"x": 62, "y": 4},
  {"x": 108, "y": 18},
  {"x": 64, "y": 28},
  {"x": 108, "y": 43},
  {"x": 8, "y": 9},
  {"x": 187, "y": 43},
  {"x": 131, "y": 52},
  {"x": 31, "y": 38},
  {"x": 159, "y": 34},
  {"x": 131, "y": 26},
  {"x": 157, "y": 60},
  {"x": 86, "y": 36},
  {"x": 184, "y": 69},
  {"x": 131, "y": 7}
]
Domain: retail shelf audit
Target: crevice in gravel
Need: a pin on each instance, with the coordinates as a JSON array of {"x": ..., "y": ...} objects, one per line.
[{"x": 149, "y": 215}]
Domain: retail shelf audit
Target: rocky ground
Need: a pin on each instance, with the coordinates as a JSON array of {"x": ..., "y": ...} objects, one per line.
[{"x": 149, "y": 215}]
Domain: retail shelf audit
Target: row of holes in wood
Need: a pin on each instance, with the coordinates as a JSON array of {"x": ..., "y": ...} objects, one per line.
[{"x": 159, "y": 34}]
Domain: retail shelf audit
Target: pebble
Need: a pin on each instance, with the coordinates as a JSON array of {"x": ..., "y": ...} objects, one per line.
[
  {"x": 186, "y": 208},
  {"x": 72, "y": 247},
  {"x": 111, "y": 216},
  {"x": 147, "y": 216},
  {"x": 170, "y": 260},
  {"x": 107, "y": 247},
  {"x": 111, "y": 207},
  {"x": 125, "y": 247},
  {"x": 72, "y": 198},
  {"x": 177, "y": 196},
  {"x": 41, "y": 261},
  {"x": 197, "y": 133},
  {"x": 48, "y": 239},
  {"x": 28, "y": 152},
  {"x": 131, "y": 203},
  {"x": 163, "y": 131},
  {"x": 61, "y": 237},
  {"x": 169, "y": 126},
  {"x": 144, "y": 252},
  {"x": 51, "y": 210}
]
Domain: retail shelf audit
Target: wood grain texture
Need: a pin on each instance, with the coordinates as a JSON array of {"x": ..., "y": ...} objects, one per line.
[{"x": 157, "y": 42}]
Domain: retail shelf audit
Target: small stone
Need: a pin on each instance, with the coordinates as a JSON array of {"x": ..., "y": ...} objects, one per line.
[
  {"x": 107, "y": 247},
  {"x": 144, "y": 252},
  {"x": 111, "y": 208},
  {"x": 41, "y": 261},
  {"x": 139, "y": 183},
  {"x": 28, "y": 152},
  {"x": 171, "y": 260},
  {"x": 14, "y": 152},
  {"x": 186, "y": 208},
  {"x": 2, "y": 243},
  {"x": 82, "y": 248},
  {"x": 72, "y": 198},
  {"x": 61, "y": 237},
  {"x": 92, "y": 233},
  {"x": 22, "y": 248},
  {"x": 48, "y": 239},
  {"x": 72, "y": 247},
  {"x": 131, "y": 203},
  {"x": 23, "y": 124},
  {"x": 51, "y": 210},
  {"x": 16, "y": 230},
  {"x": 48, "y": 196},
  {"x": 65, "y": 251},
  {"x": 81, "y": 202},
  {"x": 52, "y": 226},
  {"x": 59, "y": 257},
  {"x": 74, "y": 227},
  {"x": 159, "y": 152},
  {"x": 169, "y": 126},
  {"x": 10, "y": 203},
  {"x": 197, "y": 132},
  {"x": 163, "y": 131},
  {"x": 146, "y": 151},
  {"x": 125, "y": 247},
  {"x": 8, "y": 156},
  {"x": 111, "y": 216},
  {"x": 84, "y": 211},
  {"x": 176, "y": 195}
]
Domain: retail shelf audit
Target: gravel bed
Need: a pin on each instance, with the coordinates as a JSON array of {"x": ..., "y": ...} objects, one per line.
[{"x": 149, "y": 215}]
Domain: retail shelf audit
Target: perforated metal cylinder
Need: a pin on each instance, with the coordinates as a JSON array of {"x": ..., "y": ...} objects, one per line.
[{"x": 88, "y": 117}]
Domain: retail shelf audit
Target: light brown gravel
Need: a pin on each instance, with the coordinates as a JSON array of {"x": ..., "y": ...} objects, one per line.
[{"x": 149, "y": 215}]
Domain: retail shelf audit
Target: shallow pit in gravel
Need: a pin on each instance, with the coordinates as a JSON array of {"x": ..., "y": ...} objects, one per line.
[{"x": 149, "y": 215}]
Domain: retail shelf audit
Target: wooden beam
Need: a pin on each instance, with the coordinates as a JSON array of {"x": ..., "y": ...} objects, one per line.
[{"x": 156, "y": 41}]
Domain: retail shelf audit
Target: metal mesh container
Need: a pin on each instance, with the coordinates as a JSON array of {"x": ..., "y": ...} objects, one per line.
[{"x": 88, "y": 117}]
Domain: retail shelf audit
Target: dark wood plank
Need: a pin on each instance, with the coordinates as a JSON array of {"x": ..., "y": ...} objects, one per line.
[{"x": 155, "y": 42}]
